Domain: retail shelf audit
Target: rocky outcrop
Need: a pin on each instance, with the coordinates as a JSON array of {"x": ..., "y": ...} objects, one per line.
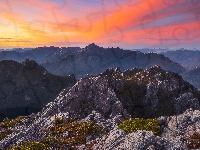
[
  {"x": 113, "y": 96},
  {"x": 140, "y": 140}
]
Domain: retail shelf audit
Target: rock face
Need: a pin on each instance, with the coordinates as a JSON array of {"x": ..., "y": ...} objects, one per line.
[
  {"x": 94, "y": 59},
  {"x": 27, "y": 87},
  {"x": 139, "y": 140},
  {"x": 113, "y": 96},
  {"x": 152, "y": 92}
]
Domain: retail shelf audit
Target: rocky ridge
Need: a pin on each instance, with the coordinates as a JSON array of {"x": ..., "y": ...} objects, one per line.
[{"x": 113, "y": 96}]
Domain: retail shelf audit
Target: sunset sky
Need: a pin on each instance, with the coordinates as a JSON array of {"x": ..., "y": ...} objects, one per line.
[{"x": 127, "y": 24}]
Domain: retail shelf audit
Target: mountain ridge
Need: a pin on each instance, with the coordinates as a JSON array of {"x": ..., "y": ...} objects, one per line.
[
  {"x": 26, "y": 84},
  {"x": 94, "y": 59}
]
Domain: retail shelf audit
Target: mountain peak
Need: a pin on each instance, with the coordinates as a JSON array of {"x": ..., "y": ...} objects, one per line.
[
  {"x": 92, "y": 45},
  {"x": 29, "y": 63}
]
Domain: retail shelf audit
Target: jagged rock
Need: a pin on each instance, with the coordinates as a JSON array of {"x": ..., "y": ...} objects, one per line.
[
  {"x": 110, "y": 99},
  {"x": 181, "y": 125},
  {"x": 110, "y": 141},
  {"x": 139, "y": 140}
]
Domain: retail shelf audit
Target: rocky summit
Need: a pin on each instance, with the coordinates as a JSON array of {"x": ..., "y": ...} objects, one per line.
[
  {"x": 27, "y": 87},
  {"x": 161, "y": 108}
]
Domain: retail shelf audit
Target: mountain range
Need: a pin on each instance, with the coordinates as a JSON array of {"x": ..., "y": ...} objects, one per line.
[
  {"x": 94, "y": 59},
  {"x": 39, "y": 55},
  {"x": 147, "y": 102}
]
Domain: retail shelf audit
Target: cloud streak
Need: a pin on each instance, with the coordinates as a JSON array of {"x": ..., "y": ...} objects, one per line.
[{"x": 152, "y": 23}]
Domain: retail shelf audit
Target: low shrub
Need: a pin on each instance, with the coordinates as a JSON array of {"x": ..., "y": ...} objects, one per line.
[
  {"x": 6, "y": 123},
  {"x": 76, "y": 135},
  {"x": 6, "y": 132},
  {"x": 194, "y": 142},
  {"x": 30, "y": 146},
  {"x": 58, "y": 120}
]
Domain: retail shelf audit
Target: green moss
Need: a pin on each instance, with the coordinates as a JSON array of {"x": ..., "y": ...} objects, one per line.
[{"x": 130, "y": 126}]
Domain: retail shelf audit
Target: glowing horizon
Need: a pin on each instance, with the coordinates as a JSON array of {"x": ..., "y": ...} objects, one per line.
[{"x": 128, "y": 24}]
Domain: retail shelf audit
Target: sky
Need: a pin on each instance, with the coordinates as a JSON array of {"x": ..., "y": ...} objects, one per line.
[{"x": 128, "y": 24}]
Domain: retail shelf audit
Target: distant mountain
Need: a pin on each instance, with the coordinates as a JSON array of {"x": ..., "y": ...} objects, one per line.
[
  {"x": 26, "y": 87},
  {"x": 40, "y": 54},
  {"x": 193, "y": 76},
  {"x": 94, "y": 59},
  {"x": 154, "y": 50},
  {"x": 89, "y": 60},
  {"x": 186, "y": 58},
  {"x": 191, "y": 61},
  {"x": 18, "y": 49},
  {"x": 88, "y": 114}
]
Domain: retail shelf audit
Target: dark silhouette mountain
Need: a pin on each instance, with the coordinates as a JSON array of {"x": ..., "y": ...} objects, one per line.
[
  {"x": 40, "y": 55},
  {"x": 94, "y": 59},
  {"x": 97, "y": 104},
  {"x": 186, "y": 58},
  {"x": 26, "y": 87}
]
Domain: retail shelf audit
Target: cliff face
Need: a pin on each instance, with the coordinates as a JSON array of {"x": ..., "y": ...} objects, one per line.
[
  {"x": 107, "y": 99},
  {"x": 27, "y": 87}
]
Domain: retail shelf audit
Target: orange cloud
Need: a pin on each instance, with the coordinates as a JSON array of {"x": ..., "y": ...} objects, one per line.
[{"x": 151, "y": 22}]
